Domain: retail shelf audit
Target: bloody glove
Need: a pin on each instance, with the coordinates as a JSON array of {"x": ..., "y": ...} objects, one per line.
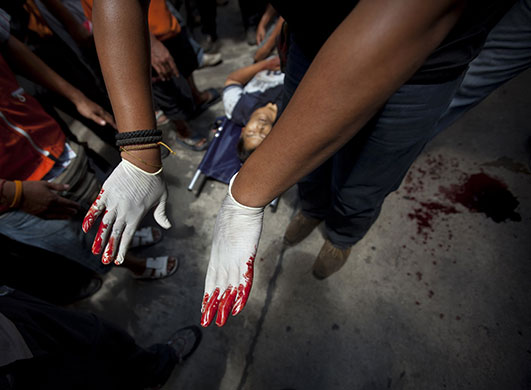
[
  {"x": 230, "y": 271},
  {"x": 126, "y": 196}
]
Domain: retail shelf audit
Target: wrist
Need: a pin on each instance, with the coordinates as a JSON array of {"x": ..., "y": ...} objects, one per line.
[
  {"x": 7, "y": 193},
  {"x": 76, "y": 96},
  {"x": 241, "y": 197},
  {"x": 147, "y": 160}
]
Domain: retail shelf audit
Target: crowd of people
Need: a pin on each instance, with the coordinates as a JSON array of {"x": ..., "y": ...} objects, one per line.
[{"x": 340, "y": 99}]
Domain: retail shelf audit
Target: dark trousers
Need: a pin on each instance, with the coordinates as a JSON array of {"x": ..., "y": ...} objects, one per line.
[
  {"x": 174, "y": 97},
  {"x": 251, "y": 11},
  {"x": 207, "y": 10},
  {"x": 76, "y": 350},
  {"x": 348, "y": 190}
]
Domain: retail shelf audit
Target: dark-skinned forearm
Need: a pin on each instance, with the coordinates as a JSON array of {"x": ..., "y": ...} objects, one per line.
[
  {"x": 122, "y": 41},
  {"x": 371, "y": 54},
  {"x": 29, "y": 65}
]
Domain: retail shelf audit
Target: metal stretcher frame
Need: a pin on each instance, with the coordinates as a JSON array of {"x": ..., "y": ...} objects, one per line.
[{"x": 220, "y": 161}]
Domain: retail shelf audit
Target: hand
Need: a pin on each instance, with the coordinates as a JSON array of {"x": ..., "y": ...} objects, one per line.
[
  {"x": 39, "y": 198},
  {"x": 272, "y": 63},
  {"x": 162, "y": 61},
  {"x": 230, "y": 271},
  {"x": 92, "y": 111},
  {"x": 260, "y": 33},
  {"x": 126, "y": 196}
]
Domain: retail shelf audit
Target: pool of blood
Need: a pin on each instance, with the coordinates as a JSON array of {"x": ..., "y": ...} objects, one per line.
[{"x": 484, "y": 194}]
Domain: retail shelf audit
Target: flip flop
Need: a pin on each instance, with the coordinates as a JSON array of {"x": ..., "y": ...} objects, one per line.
[
  {"x": 157, "y": 268},
  {"x": 144, "y": 237},
  {"x": 196, "y": 142}
]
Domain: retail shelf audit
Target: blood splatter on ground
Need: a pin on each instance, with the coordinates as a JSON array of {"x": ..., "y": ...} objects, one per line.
[
  {"x": 484, "y": 194},
  {"x": 424, "y": 215},
  {"x": 477, "y": 192}
]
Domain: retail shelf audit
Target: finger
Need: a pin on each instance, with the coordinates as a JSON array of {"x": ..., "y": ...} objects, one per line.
[
  {"x": 95, "y": 210},
  {"x": 244, "y": 288},
  {"x": 225, "y": 305},
  {"x": 103, "y": 232},
  {"x": 173, "y": 68},
  {"x": 211, "y": 308},
  {"x": 227, "y": 277},
  {"x": 127, "y": 236},
  {"x": 96, "y": 117},
  {"x": 57, "y": 186},
  {"x": 110, "y": 120},
  {"x": 160, "y": 212},
  {"x": 165, "y": 70},
  {"x": 61, "y": 202},
  {"x": 110, "y": 250},
  {"x": 157, "y": 68}
]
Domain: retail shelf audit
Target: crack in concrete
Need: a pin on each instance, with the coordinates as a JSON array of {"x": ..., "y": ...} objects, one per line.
[{"x": 269, "y": 297}]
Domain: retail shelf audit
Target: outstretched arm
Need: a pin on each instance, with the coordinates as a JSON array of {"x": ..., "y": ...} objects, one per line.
[
  {"x": 243, "y": 75},
  {"x": 136, "y": 185},
  {"x": 28, "y": 64},
  {"x": 377, "y": 48},
  {"x": 369, "y": 56}
]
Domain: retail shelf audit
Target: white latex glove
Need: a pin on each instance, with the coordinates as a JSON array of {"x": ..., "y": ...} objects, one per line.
[
  {"x": 126, "y": 196},
  {"x": 230, "y": 271}
]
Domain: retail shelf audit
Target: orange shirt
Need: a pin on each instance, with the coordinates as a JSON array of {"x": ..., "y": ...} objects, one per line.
[
  {"x": 161, "y": 21},
  {"x": 30, "y": 139}
]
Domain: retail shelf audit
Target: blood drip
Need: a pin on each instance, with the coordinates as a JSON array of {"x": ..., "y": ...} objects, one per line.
[{"x": 245, "y": 288}]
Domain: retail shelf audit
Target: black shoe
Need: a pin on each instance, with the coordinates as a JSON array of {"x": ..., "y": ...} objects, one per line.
[{"x": 185, "y": 341}]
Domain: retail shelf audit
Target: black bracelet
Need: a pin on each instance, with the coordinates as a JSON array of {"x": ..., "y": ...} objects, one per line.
[
  {"x": 138, "y": 133},
  {"x": 138, "y": 140}
]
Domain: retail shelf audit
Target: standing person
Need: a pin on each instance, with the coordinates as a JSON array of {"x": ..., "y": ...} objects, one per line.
[
  {"x": 391, "y": 68},
  {"x": 365, "y": 92}
]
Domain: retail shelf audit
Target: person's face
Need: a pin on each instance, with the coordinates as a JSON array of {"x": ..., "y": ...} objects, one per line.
[{"x": 259, "y": 126}]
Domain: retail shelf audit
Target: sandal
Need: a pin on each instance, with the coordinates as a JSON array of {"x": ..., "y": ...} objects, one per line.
[
  {"x": 157, "y": 268},
  {"x": 145, "y": 237},
  {"x": 196, "y": 142}
]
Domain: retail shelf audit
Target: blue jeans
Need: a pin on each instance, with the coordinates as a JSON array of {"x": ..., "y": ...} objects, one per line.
[
  {"x": 348, "y": 190},
  {"x": 63, "y": 237},
  {"x": 506, "y": 53}
]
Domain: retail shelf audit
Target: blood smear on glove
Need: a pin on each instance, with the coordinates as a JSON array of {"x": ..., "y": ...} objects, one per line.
[{"x": 107, "y": 256}]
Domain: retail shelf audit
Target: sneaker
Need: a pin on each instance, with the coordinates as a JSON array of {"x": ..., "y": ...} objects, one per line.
[
  {"x": 329, "y": 260},
  {"x": 299, "y": 228},
  {"x": 211, "y": 59}
]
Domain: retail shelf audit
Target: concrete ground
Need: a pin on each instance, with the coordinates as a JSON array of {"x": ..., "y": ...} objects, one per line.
[{"x": 436, "y": 296}]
